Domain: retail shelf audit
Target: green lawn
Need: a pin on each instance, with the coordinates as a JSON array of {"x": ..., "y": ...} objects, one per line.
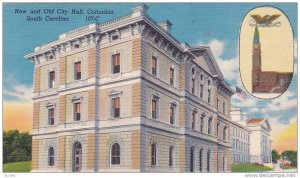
[
  {"x": 17, "y": 167},
  {"x": 248, "y": 168},
  {"x": 288, "y": 167}
]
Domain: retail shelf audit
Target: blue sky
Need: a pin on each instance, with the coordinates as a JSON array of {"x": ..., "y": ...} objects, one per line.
[{"x": 216, "y": 25}]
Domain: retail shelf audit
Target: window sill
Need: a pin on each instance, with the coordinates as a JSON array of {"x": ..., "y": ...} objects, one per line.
[
  {"x": 116, "y": 75},
  {"x": 114, "y": 118}
]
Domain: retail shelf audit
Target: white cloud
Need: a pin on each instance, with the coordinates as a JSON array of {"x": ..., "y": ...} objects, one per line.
[
  {"x": 286, "y": 101},
  {"x": 19, "y": 93}
]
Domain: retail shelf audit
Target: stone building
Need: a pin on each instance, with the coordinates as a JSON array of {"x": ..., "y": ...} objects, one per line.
[
  {"x": 250, "y": 138},
  {"x": 240, "y": 137},
  {"x": 260, "y": 141},
  {"x": 126, "y": 96}
]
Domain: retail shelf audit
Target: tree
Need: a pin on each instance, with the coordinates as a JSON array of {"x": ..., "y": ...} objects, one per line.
[
  {"x": 275, "y": 156},
  {"x": 16, "y": 146},
  {"x": 291, "y": 155}
]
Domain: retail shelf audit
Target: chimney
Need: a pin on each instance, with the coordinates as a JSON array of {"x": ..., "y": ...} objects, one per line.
[
  {"x": 245, "y": 117},
  {"x": 166, "y": 25},
  {"x": 139, "y": 10}
]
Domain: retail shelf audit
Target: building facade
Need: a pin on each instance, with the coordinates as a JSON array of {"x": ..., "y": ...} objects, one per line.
[
  {"x": 250, "y": 138},
  {"x": 266, "y": 81},
  {"x": 260, "y": 142},
  {"x": 126, "y": 96},
  {"x": 240, "y": 138}
]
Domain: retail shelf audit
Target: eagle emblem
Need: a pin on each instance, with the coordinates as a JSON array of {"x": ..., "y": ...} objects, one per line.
[{"x": 265, "y": 21}]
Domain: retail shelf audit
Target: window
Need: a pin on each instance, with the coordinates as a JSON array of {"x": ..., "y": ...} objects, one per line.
[
  {"x": 201, "y": 123},
  {"x": 224, "y": 133},
  {"x": 116, "y": 63},
  {"x": 201, "y": 160},
  {"x": 77, "y": 111},
  {"x": 201, "y": 77},
  {"x": 218, "y": 130},
  {"x": 193, "y": 71},
  {"x": 224, "y": 106},
  {"x": 153, "y": 154},
  {"x": 114, "y": 37},
  {"x": 154, "y": 107},
  {"x": 51, "y": 116},
  {"x": 171, "y": 76},
  {"x": 193, "y": 119},
  {"x": 208, "y": 161},
  {"x": 201, "y": 91},
  {"x": 171, "y": 156},
  {"x": 208, "y": 96},
  {"x": 217, "y": 103},
  {"x": 115, "y": 154},
  {"x": 209, "y": 126},
  {"x": 193, "y": 85},
  {"x": 224, "y": 164},
  {"x": 77, "y": 157},
  {"x": 154, "y": 66},
  {"x": 172, "y": 114},
  {"x": 76, "y": 46},
  {"x": 77, "y": 67},
  {"x": 192, "y": 160},
  {"x": 51, "y": 156},
  {"x": 51, "y": 79},
  {"x": 208, "y": 92},
  {"x": 116, "y": 107}
]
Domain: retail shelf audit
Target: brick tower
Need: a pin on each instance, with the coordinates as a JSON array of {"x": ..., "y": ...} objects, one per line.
[{"x": 256, "y": 60}]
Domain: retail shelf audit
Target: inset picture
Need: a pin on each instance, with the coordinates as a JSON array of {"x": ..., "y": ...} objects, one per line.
[{"x": 266, "y": 52}]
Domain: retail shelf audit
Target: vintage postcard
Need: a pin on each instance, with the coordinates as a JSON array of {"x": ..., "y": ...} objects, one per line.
[{"x": 150, "y": 87}]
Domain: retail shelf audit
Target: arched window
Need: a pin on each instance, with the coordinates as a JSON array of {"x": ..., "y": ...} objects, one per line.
[
  {"x": 192, "y": 160},
  {"x": 201, "y": 160},
  {"x": 77, "y": 157},
  {"x": 208, "y": 161},
  {"x": 153, "y": 154},
  {"x": 115, "y": 154},
  {"x": 171, "y": 156},
  {"x": 51, "y": 156}
]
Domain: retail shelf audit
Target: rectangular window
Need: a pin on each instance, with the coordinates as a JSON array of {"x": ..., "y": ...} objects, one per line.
[
  {"x": 116, "y": 63},
  {"x": 171, "y": 76},
  {"x": 193, "y": 120},
  {"x": 77, "y": 111},
  {"x": 193, "y": 85},
  {"x": 116, "y": 107},
  {"x": 154, "y": 108},
  {"x": 209, "y": 126},
  {"x": 208, "y": 97},
  {"x": 217, "y": 103},
  {"x": 172, "y": 114},
  {"x": 154, "y": 65},
  {"x": 77, "y": 69},
  {"x": 201, "y": 91},
  {"x": 114, "y": 37},
  {"x": 51, "y": 79},
  {"x": 51, "y": 116},
  {"x": 153, "y": 154},
  {"x": 224, "y": 106},
  {"x": 171, "y": 156},
  {"x": 201, "y": 124}
]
